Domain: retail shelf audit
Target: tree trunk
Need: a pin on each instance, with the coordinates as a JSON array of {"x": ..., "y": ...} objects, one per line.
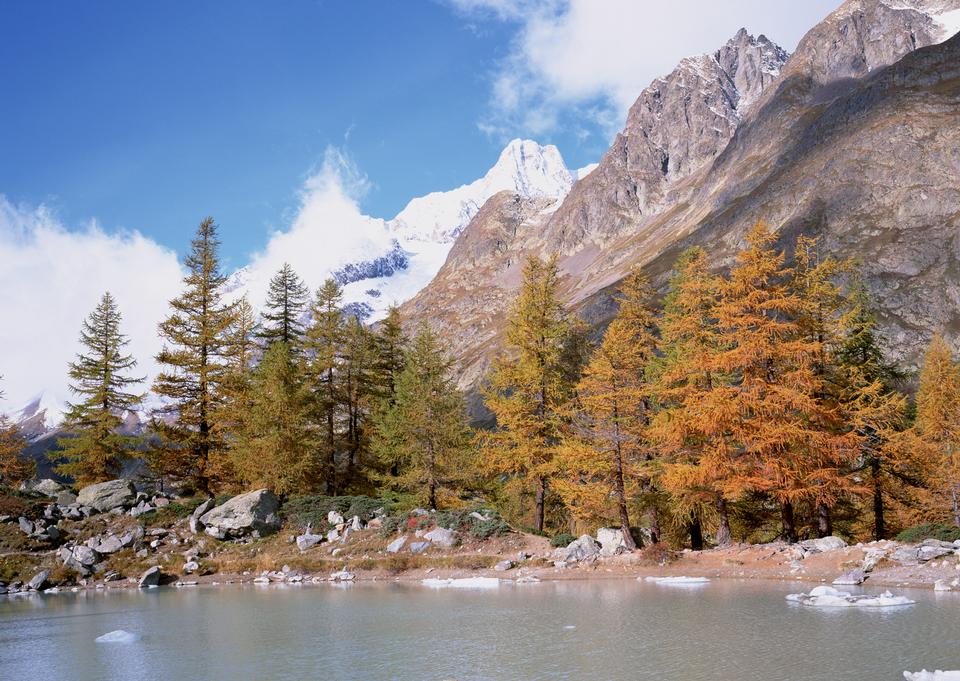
[
  {"x": 433, "y": 496},
  {"x": 789, "y": 532},
  {"x": 724, "y": 536},
  {"x": 824, "y": 524},
  {"x": 696, "y": 535},
  {"x": 541, "y": 498},
  {"x": 622, "y": 504},
  {"x": 654, "y": 518},
  {"x": 879, "y": 527}
]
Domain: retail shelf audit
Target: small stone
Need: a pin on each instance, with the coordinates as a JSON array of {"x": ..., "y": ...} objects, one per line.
[
  {"x": 190, "y": 567},
  {"x": 503, "y": 566},
  {"x": 334, "y": 518},
  {"x": 39, "y": 581},
  {"x": 441, "y": 536},
  {"x": 419, "y": 546},
  {"x": 308, "y": 541},
  {"x": 342, "y": 576},
  {"x": 852, "y": 578}
]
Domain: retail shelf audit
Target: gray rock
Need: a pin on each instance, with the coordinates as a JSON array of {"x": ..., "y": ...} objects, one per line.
[
  {"x": 195, "y": 524},
  {"x": 26, "y": 526},
  {"x": 333, "y": 535},
  {"x": 342, "y": 576},
  {"x": 872, "y": 558},
  {"x": 110, "y": 543},
  {"x": 141, "y": 508},
  {"x": 190, "y": 567},
  {"x": 418, "y": 546},
  {"x": 254, "y": 513},
  {"x": 66, "y": 498},
  {"x": 355, "y": 524},
  {"x": 80, "y": 558},
  {"x": 39, "y": 581},
  {"x": 308, "y": 541},
  {"x": 107, "y": 496},
  {"x": 503, "y": 566},
  {"x": 46, "y": 487},
  {"x": 441, "y": 536},
  {"x": 611, "y": 541},
  {"x": 584, "y": 548},
  {"x": 854, "y": 577},
  {"x": 822, "y": 545},
  {"x": 905, "y": 555},
  {"x": 396, "y": 544},
  {"x": 931, "y": 549},
  {"x": 160, "y": 502},
  {"x": 334, "y": 518},
  {"x": 150, "y": 578}
]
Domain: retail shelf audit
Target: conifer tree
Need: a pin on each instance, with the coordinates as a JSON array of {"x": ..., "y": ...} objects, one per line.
[
  {"x": 359, "y": 388},
  {"x": 424, "y": 432},
  {"x": 685, "y": 376},
  {"x": 604, "y": 457},
  {"x": 783, "y": 440},
  {"x": 324, "y": 343},
  {"x": 194, "y": 363},
  {"x": 274, "y": 444},
  {"x": 15, "y": 467},
  {"x": 938, "y": 425},
  {"x": 529, "y": 386},
  {"x": 391, "y": 343},
  {"x": 240, "y": 356},
  {"x": 287, "y": 298},
  {"x": 94, "y": 450}
]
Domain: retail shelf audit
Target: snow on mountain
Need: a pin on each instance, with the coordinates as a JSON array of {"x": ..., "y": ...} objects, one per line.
[{"x": 36, "y": 416}]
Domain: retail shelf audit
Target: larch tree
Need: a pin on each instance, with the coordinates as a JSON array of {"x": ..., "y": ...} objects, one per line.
[
  {"x": 324, "y": 343},
  {"x": 287, "y": 299},
  {"x": 938, "y": 427},
  {"x": 693, "y": 447},
  {"x": 94, "y": 449},
  {"x": 783, "y": 441},
  {"x": 424, "y": 433},
  {"x": 274, "y": 445},
  {"x": 194, "y": 364},
  {"x": 241, "y": 355},
  {"x": 390, "y": 344},
  {"x": 359, "y": 379},
  {"x": 530, "y": 386},
  {"x": 15, "y": 467},
  {"x": 603, "y": 457}
]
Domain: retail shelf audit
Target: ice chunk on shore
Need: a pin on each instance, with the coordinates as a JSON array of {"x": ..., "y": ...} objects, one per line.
[
  {"x": 118, "y": 636},
  {"x": 828, "y": 597},
  {"x": 679, "y": 581},
  {"x": 463, "y": 583},
  {"x": 932, "y": 676}
]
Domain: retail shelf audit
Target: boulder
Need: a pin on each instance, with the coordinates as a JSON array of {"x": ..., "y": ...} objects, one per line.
[
  {"x": 503, "y": 566},
  {"x": 150, "y": 578},
  {"x": 254, "y": 513},
  {"x": 931, "y": 549},
  {"x": 905, "y": 555},
  {"x": 611, "y": 541},
  {"x": 872, "y": 558},
  {"x": 80, "y": 558},
  {"x": 39, "y": 581},
  {"x": 141, "y": 508},
  {"x": 333, "y": 535},
  {"x": 355, "y": 524},
  {"x": 396, "y": 544},
  {"x": 822, "y": 544},
  {"x": 195, "y": 524},
  {"x": 26, "y": 526},
  {"x": 441, "y": 536},
  {"x": 106, "y": 496},
  {"x": 419, "y": 546},
  {"x": 66, "y": 498},
  {"x": 334, "y": 518},
  {"x": 190, "y": 566},
  {"x": 852, "y": 578},
  {"x": 105, "y": 544},
  {"x": 46, "y": 487},
  {"x": 308, "y": 541},
  {"x": 584, "y": 548}
]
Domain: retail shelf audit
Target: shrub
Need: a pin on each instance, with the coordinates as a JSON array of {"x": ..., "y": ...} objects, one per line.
[
  {"x": 484, "y": 529},
  {"x": 917, "y": 534},
  {"x": 169, "y": 514},
  {"x": 313, "y": 509},
  {"x": 562, "y": 540}
]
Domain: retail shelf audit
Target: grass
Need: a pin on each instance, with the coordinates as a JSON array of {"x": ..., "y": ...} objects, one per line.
[
  {"x": 169, "y": 514},
  {"x": 915, "y": 535}
]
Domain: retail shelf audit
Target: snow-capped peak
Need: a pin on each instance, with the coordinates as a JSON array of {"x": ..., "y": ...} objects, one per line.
[{"x": 524, "y": 167}]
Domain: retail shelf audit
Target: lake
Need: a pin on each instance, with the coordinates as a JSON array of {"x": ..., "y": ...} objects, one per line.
[{"x": 601, "y": 629}]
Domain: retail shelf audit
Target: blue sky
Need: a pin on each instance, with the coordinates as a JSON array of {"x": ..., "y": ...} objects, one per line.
[{"x": 149, "y": 116}]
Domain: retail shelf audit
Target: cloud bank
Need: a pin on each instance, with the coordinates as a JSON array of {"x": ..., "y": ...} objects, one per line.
[{"x": 51, "y": 278}]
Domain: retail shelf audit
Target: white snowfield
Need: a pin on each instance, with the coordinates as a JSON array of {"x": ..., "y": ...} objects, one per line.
[
  {"x": 828, "y": 597},
  {"x": 464, "y": 583},
  {"x": 678, "y": 581},
  {"x": 118, "y": 636},
  {"x": 932, "y": 676}
]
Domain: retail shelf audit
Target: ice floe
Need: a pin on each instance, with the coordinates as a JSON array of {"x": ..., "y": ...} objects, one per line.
[
  {"x": 118, "y": 636},
  {"x": 932, "y": 676},
  {"x": 463, "y": 583},
  {"x": 678, "y": 581},
  {"x": 828, "y": 597}
]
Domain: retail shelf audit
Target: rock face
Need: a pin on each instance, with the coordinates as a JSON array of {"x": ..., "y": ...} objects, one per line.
[
  {"x": 853, "y": 139},
  {"x": 611, "y": 540},
  {"x": 254, "y": 513},
  {"x": 106, "y": 496}
]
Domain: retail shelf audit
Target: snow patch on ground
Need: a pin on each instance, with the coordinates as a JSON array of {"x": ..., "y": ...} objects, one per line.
[
  {"x": 949, "y": 22},
  {"x": 679, "y": 581},
  {"x": 118, "y": 636},
  {"x": 828, "y": 597},
  {"x": 464, "y": 583},
  {"x": 932, "y": 676}
]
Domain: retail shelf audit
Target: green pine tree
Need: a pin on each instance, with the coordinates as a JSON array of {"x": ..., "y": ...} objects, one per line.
[
  {"x": 287, "y": 298},
  {"x": 195, "y": 363},
  {"x": 424, "y": 433},
  {"x": 94, "y": 450}
]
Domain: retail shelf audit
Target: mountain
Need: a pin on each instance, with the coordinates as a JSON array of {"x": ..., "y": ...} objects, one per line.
[{"x": 854, "y": 138}]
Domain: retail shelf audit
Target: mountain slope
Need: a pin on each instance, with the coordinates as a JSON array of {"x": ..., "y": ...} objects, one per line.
[{"x": 848, "y": 142}]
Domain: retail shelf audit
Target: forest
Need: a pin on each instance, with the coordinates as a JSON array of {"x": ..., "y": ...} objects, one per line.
[{"x": 747, "y": 405}]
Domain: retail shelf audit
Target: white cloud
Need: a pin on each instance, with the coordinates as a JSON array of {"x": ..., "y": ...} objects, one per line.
[
  {"x": 51, "y": 278},
  {"x": 590, "y": 59},
  {"x": 328, "y": 231}
]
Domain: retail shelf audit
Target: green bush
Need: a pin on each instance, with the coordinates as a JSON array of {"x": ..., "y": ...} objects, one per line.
[
  {"x": 169, "y": 514},
  {"x": 917, "y": 534},
  {"x": 313, "y": 509},
  {"x": 562, "y": 540},
  {"x": 484, "y": 529}
]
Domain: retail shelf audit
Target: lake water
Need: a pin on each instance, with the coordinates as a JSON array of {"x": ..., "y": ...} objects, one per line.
[{"x": 608, "y": 629}]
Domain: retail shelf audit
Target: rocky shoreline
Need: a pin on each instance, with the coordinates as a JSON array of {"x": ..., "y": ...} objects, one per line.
[{"x": 111, "y": 536}]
